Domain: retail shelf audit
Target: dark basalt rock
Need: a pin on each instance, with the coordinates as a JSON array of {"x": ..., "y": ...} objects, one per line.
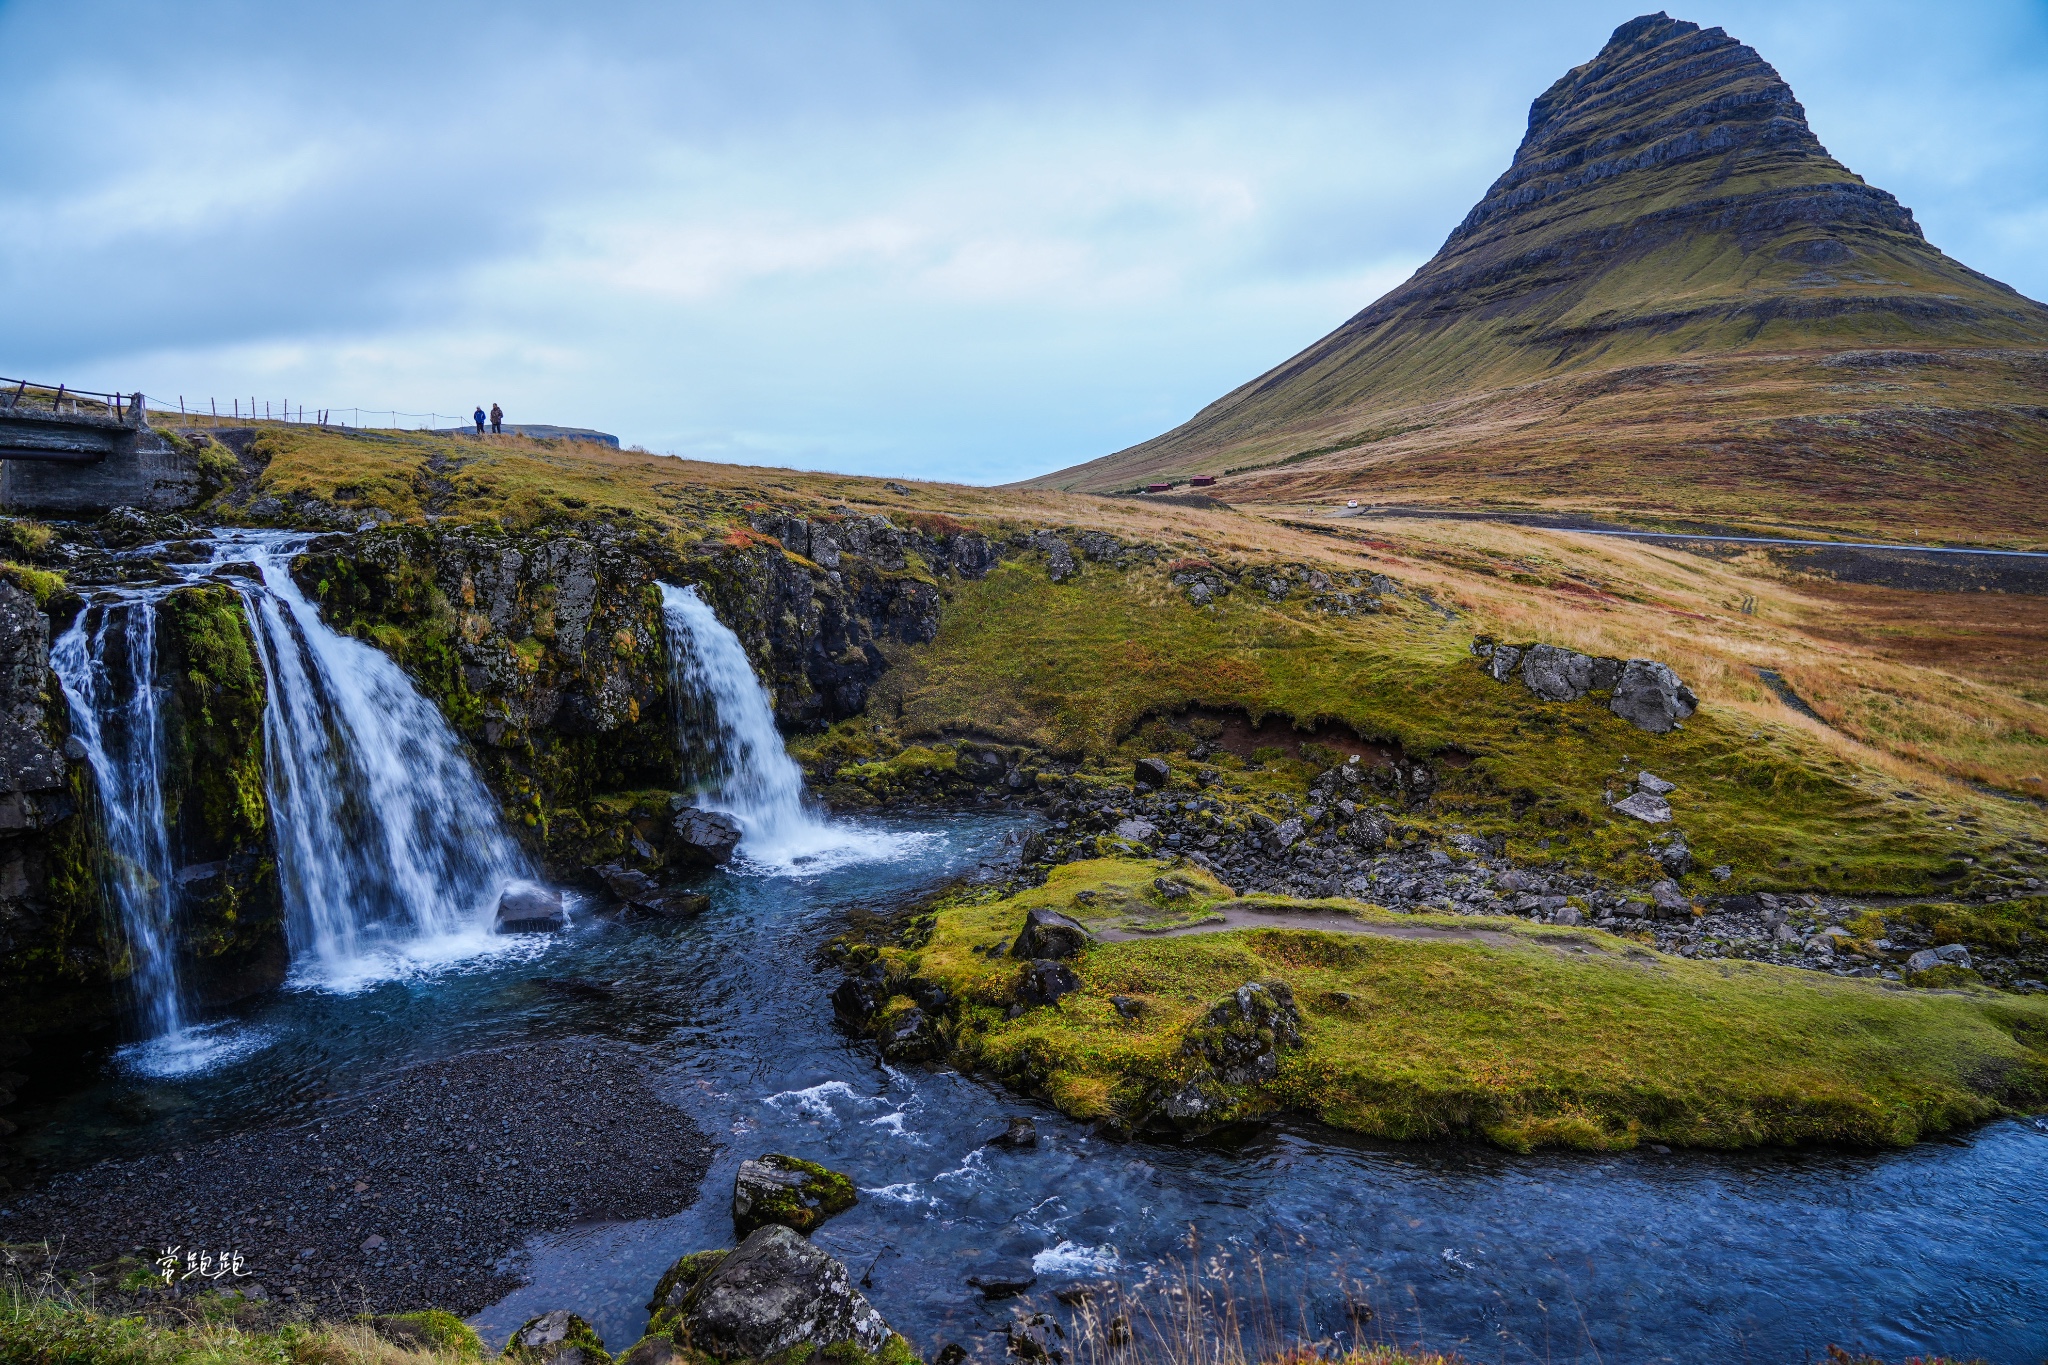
[
  {"x": 1152, "y": 772},
  {"x": 909, "y": 1036},
  {"x": 1049, "y": 934},
  {"x": 528, "y": 909},
  {"x": 1004, "y": 1279},
  {"x": 1020, "y": 1133},
  {"x": 789, "y": 1191},
  {"x": 1650, "y": 697},
  {"x": 640, "y": 892},
  {"x": 1044, "y": 982},
  {"x": 774, "y": 1295},
  {"x": 705, "y": 837}
]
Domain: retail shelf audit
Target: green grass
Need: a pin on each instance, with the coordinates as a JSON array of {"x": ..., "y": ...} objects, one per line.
[
  {"x": 1082, "y": 669},
  {"x": 1529, "y": 1036}
]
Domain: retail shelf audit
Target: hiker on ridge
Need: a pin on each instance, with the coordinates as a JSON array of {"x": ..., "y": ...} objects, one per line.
[
  {"x": 497, "y": 420},
  {"x": 479, "y": 421}
]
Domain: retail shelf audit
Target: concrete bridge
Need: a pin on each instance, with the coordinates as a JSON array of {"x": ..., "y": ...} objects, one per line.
[{"x": 68, "y": 453}]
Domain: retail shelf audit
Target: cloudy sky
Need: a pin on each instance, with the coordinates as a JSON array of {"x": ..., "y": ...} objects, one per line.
[{"x": 959, "y": 240}]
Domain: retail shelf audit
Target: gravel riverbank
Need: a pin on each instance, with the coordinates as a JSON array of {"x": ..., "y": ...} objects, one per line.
[{"x": 410, "y": 1195}]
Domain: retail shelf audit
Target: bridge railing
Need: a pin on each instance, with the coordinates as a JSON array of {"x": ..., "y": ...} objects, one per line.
[{"x": 19, "y": 395}]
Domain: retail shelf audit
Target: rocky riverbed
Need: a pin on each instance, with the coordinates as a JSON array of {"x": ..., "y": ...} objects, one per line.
[{"x": 413, "y": 1195}]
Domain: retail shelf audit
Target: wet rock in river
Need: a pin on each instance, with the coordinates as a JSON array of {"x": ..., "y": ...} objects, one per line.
[
  {"x": 1049, "y": 934},
  {"x": 1021, "y": 1132},
  {"x": 1004, "y": 1279},
  {"x": 909, "y": 1036},
  {"x": 776, "y": 1295},
  {"x": 557, "y": 1338},
  {"x": 706, "y": 836},
  {"x": 640, "y": 892},
  {"x": 528, "y": 909},
  {"x": 788, "y": 1191}
]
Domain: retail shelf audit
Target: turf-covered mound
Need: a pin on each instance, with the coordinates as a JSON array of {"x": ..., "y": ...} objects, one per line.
[{"x": 1192, "y": 1008}]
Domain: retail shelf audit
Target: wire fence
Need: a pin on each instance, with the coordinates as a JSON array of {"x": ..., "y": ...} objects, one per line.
[{"x": 26, "y": 394}]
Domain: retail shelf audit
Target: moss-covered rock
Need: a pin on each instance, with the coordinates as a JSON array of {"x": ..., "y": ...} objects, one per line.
[
  {"x": 231, "y": 906},
  {"x": 557, "y": 1338},
  {"x": 788, "y": 1190},
  {"x": 431, "y": 1329},
  {"x": 665, "y": 1306}
]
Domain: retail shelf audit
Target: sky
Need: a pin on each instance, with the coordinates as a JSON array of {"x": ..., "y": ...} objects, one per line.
[{"x": 965, "y": 241}]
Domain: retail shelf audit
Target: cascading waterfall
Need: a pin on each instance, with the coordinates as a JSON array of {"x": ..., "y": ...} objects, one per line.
[
  {"x": 732, "y": 751},
  {"x": 389, "y": 845},
  {"x": 106, "y": 664}
]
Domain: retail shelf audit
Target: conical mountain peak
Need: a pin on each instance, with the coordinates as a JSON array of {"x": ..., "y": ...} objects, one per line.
[{"x": 1668, "y": 204}]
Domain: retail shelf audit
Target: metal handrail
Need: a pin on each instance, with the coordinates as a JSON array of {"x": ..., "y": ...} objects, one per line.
[{"x": 120, "y": 405}]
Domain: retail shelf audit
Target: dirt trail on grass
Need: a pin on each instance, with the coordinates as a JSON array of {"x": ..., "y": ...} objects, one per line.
[{"x": 1252, "y": 915}]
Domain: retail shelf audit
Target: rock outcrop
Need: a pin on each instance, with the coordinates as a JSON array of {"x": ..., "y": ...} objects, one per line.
[
  {"x": 775, "y": 1296},
  {"x": 1643, "y": 692}
]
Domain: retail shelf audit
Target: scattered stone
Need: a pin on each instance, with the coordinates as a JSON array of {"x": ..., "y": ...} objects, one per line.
[
  {"x": 789, "y": 1191},
  {"x": 1049, "y": 934},
  {"x": 1926, "y": 960},
  {"x": 1038, "y": 1338},
  {"x": 557, "y": 1338},
  {"x": 706, "y": 836},
  {"x": 1643, "y": 806},
  {"x": 1500, "y": 665},
  {"x": 1721, "y": 873},
  {"x": 1137, "y": 831},
  {"x": 1653, "y": 784},
  {"x": 1152, "y": 773},
  {"x": 1045, "y": 982},
  {"x": 528, "y": 909},
  {"x": 1127, "y": 1007},
  {"x": 1022, "y": 1132},
  {"x": 638, "y": 891},
  {"x": 1566, "y": 915},
  {"x": 1955, "y": 954},
  {"x": 1670, "y": 900}
]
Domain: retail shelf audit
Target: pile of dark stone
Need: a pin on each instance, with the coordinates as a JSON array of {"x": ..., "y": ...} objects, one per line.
[{"x": 415, "y": 1195}]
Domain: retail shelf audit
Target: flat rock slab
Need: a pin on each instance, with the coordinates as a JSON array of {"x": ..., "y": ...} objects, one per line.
[{"x": 381, "y": 1186}]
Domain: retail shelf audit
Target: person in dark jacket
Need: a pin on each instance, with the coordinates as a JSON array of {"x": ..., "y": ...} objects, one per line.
[
  {"x": 479, "y": 421},
  {"x": 497, "y": 420}
]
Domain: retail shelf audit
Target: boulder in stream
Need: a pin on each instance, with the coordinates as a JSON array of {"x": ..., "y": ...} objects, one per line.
[
  {"x": 640, "y": 892},
  {"x": 788, "y": 1191},
  {"x": 775, "y": 1296},
  {"x": 528, "y": 909},
  {"x": 705, "y": 837}
]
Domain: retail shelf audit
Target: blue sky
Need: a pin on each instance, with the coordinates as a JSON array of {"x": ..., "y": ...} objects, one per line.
[{"x": 945, "y": 240}]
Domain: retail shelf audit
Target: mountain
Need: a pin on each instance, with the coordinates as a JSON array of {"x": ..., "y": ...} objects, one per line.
[{"x": 1674, "y": 301}]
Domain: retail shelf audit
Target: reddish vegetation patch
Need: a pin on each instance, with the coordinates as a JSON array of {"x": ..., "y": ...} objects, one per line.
[
  {"x": 744, "y": 538},
  {"x": 937, "y": 525},
  {"x": 1190, "y": 566}
]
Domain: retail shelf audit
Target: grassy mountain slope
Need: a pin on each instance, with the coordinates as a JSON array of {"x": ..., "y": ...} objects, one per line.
[{"x": 1673, "y": 301}]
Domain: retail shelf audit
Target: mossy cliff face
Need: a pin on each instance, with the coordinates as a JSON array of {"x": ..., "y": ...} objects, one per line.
[
  {"x": 54, "y": 953},
  {"x": 232, "y": 913},
  {"x": 547, "y": 650}
]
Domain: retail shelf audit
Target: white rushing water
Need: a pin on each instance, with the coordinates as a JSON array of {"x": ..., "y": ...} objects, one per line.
[
  {"x": 106, "y": 664},
  {"x": 391, "y": 851},
  {"x": 732, "y": 752}
]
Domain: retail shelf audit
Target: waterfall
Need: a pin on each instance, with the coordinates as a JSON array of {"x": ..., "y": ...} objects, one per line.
[
  {"x": 106, "y": 664},
  {"x": 390, "y": 849},
  {"x": 733, "y": 754}
]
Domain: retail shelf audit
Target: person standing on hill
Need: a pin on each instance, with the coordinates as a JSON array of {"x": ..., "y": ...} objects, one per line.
[
  {"x": 497, "y": 420},
  {"x": 479, "y": 421}
]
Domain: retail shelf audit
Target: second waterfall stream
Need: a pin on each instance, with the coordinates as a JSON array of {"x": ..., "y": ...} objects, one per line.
[{"x": 733, "y": 754}]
